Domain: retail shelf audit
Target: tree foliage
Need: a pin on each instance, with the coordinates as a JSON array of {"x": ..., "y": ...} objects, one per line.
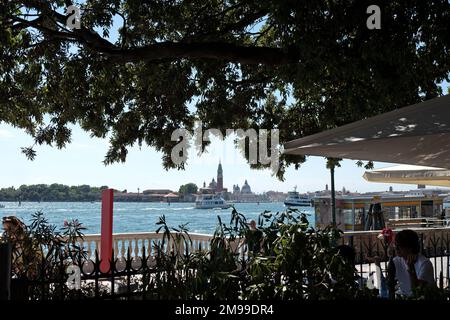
[
  {"x": 53, "y": 192},
  {"x": 189, "y": 188},
  {"x": 136, "y": 71}
]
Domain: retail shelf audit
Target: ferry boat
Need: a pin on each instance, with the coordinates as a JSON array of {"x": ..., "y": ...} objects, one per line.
[
  {"x": 294, "y": 199},
  {"x": 211, "y": 201}
]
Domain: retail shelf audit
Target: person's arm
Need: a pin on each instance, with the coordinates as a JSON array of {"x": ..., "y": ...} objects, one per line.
[
  {"x": 416, "y": 280},
  {"x": 413, "y": 275}
]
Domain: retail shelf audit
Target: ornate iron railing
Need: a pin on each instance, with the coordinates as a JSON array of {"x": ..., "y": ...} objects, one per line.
[
  {"x": 133, "y": 271},
  {"x": 435, "y": 244}
]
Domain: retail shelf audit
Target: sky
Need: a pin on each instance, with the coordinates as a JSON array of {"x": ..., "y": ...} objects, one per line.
[{"x": 81, "y": 163}]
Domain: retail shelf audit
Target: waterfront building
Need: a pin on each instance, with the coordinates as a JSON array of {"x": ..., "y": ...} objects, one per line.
[
  {"x": 246, "y": 189},
  {"x": 245, "y": 194},
  {"x": 151, "y": 195},
  {"x": 213, "y": 185},
  {"x": 219, "y": 186},
  {"x": 157, "y": 191},
  {"x": 276, "y": 196},
  {"x": 237, "y": 194},
  {"x": 216, "y": 186}
]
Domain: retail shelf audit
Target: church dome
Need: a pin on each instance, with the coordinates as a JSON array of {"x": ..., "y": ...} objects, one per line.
[
  {"x": 246, "y": 188},
  {"x": 213, "y": 184}
]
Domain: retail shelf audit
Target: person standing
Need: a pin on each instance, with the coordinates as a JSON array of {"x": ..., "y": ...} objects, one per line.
[{"x": 253, "y": 238}]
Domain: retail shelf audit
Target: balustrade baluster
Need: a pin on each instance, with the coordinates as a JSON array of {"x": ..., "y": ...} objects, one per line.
[
  {"x": 81, "y": 243},
  {"x": 136, "y": 247},
  {"x": 88, "y": 249},
  {"x": 97, "y": 244},
  {"x": 168, "y": 245},
  {"x": 116, "y": 248},
  {"x": 128, "y": 247},
  {"x": 122, "y": 248},
  {"x": 181, "y": 247}
]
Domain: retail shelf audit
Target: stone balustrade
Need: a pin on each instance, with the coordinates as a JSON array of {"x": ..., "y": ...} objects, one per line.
[
  {"x": 135, "y": 243},
  {"x": 365, "y": 243}
]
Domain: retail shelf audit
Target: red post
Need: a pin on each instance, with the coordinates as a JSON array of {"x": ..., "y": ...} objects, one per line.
[{"x": 107, "y": 228}]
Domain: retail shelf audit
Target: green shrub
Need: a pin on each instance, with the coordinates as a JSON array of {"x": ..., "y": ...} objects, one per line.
[{"x": 296, "y": 262}]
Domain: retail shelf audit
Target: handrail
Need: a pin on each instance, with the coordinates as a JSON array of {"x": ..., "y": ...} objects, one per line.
[
  {"x": 144, "y": 234},
  {"x": 137, "y": 242},
  {"x": 428, "y": 229}
]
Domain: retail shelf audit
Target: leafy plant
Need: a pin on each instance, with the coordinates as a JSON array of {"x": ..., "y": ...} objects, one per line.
[
  {"x": 41, "y": 252},
  {"x": 296, "y": 262}
]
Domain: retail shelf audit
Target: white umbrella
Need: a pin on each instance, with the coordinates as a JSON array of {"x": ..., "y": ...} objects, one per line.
[
  {"x": 407, "y": 174},
  {"x": 417, "y": 135}
]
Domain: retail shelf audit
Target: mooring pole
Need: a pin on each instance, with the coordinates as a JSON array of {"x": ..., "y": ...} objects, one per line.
[{"x": 106, "y": 229}]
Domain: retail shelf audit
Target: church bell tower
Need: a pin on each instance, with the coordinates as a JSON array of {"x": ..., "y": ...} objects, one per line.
[{"x": 219, "y": 178}]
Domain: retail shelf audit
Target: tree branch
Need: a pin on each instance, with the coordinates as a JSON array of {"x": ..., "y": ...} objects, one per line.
[
  {"x": 37, "y": 25},
  {"x": 262, "y": 33},
  {"x": 209, "y": 50},
  {"x": 172, "y": 50},
  {"x": 244, "y": 22}
]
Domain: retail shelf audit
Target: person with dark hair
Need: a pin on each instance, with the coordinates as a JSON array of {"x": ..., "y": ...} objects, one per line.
[
  {"x": 13, "y": 228},
  {"x": 14, "y": 232},
  {"x": 253, "y": 238},
  {"x": 26, "y": 256},
  {"x": 412, "y": 269}
]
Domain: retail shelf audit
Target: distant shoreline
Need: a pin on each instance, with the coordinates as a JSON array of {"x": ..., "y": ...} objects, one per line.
[
  {"x": 121, "y": 201},
  {"x": 96, "y": 201}
]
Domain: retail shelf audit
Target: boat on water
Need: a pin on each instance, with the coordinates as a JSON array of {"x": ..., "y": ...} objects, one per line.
[
  {"x": 211, "y": 201},
  {"x": 2, "y": 206},
  {"x": 294, "y": 199}
]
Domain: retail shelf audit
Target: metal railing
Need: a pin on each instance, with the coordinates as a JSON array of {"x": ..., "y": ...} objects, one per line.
[
  {"x": 435, "y": 245},
  {"x": 134, "y": 256}
]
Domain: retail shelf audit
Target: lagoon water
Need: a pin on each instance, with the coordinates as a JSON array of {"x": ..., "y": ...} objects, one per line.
[{"x": 140, "y": 216}]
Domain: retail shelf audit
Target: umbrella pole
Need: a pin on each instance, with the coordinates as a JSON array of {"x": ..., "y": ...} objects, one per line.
[{"x": 333, "y": 197}]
